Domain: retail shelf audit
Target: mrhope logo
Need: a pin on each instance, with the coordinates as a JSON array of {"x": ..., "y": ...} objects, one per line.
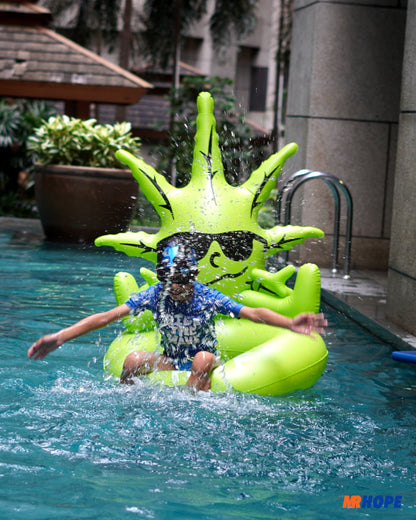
[{"x": 377, "y": 502}]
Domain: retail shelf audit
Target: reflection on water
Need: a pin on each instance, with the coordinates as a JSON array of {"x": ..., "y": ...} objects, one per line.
[{"x": 73, "y": 445}]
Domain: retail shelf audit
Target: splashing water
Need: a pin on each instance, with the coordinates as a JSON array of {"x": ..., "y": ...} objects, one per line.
[{"x": 73, "y": 445}]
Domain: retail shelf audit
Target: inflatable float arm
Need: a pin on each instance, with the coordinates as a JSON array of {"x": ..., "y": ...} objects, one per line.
[
  {"x": 132, "y": 244},
  {"x": 273, "y": 282},
  {"x": 286, "y": 237},
  {"x": 272, "y": 293},
  {"x": 124, "y": 285}
]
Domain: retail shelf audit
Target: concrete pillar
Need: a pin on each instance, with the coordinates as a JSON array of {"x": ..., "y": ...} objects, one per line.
[
  {"x": 343, "y": 110},
  {"x": 401, "y": 298}
]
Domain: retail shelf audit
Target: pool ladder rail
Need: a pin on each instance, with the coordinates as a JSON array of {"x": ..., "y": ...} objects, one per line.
[{"x": 337, "y": 186}]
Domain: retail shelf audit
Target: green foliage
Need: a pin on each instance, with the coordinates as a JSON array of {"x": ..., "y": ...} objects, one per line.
[
  {"x": 230, "y": 17},
  {"x": 267, "y": 213},
  {"x": 77, "y": 142},
  {"x": 239, "y": 155},
  {"x": 10, "y": 118},
  {"x": 158, "y": 20},
  {"x": 86, "y": 16},
  {"x": 17, "y": 121}
]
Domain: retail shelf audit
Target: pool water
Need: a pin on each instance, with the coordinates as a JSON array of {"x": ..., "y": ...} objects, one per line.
[{"x": 74, "y": 445}]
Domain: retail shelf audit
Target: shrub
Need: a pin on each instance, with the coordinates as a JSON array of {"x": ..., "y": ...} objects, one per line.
[
  {"x": 71, "y": 141},
  {"x": 17, "y": 121}
]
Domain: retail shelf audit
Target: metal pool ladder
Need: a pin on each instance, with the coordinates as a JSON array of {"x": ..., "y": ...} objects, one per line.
[{"x": 337, "y": 186}]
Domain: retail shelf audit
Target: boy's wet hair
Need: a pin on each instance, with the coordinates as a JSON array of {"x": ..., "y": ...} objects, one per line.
[{"x": 176, "y": 262}]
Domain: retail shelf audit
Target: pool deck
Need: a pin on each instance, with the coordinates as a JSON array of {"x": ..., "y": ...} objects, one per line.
[{"x": 362, "y": 297}]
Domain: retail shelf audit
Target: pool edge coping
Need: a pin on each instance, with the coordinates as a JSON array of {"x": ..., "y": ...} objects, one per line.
[{"x": 374, "y": 327}]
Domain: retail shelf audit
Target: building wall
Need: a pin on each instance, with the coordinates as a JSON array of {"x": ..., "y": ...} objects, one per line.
[
  {"x": 401, "y": 300},
  {"x": 242, "y": 60},
  {"x": 343, "y": 111}
]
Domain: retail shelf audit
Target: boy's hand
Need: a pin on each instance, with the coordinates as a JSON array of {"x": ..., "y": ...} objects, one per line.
[
  {"x": 307, "y": 322},
  {"x": 43, "y": 346}
]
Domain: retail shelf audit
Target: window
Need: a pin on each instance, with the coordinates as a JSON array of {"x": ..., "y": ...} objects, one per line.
[{"x": 258, "y": 89}]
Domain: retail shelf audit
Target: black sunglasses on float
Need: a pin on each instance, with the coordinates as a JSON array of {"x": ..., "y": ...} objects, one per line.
[{"x": 236, "y": 245}]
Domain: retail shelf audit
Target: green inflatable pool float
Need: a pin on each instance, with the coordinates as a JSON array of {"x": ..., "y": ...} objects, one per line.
[{"x": 232, "y": 250}]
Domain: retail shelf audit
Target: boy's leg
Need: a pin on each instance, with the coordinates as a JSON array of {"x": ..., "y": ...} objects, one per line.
[
  {"x": 139, "y": 363},
  {"x": 200, "y": 371}
]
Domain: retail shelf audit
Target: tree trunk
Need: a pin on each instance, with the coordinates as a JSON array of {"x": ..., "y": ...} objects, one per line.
[
  {"x": 175, "y": 78},
  {"x": 124, "y": 55}
]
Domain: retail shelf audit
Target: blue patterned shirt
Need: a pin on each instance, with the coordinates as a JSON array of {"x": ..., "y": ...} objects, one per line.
[{"x": 185, "y": 328}]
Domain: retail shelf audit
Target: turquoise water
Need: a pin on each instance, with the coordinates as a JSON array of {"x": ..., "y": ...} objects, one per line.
[{"x": 76, "y": 446}]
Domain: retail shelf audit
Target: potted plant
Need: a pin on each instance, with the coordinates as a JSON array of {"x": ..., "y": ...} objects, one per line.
[{"x": 81, "y": 191}]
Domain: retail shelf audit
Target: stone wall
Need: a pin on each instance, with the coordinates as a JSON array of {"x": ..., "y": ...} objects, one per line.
[
  {"x": 343, "y": 111},
  {"x": 401, "y": 296}
]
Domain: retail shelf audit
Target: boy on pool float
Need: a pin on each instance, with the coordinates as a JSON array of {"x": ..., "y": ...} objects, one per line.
[{"x": 184, "y": 310}]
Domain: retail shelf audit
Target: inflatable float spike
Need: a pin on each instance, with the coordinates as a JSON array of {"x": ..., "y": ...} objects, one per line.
[{"x": 207, "y": 163}]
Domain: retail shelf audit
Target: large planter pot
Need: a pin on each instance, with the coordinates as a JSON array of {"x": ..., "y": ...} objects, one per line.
[{"x": 78, "y": 204}]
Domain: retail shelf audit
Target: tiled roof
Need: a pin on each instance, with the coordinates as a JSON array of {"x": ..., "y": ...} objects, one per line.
[
  {"x": 39, "y": 55},
  {"x": 38, "y": 62}
]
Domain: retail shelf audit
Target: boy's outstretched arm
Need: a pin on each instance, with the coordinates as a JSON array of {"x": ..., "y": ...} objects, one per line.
[
  {"x": 50, "y": 342},
  {"x": 304, "y": 323}
]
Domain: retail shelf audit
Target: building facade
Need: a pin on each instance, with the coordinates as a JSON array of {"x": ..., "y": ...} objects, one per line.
[
  {"x": 352, "y": 110},
  {"x": 250, "y": 63}
]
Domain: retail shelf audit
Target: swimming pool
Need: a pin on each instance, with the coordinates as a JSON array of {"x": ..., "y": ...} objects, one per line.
[{"x": 76, "y": 446}]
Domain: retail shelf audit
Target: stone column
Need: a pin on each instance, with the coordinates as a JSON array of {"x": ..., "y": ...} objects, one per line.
[
  {"x": 343, "y": 110},
  {"x": 401, "y": 299}
]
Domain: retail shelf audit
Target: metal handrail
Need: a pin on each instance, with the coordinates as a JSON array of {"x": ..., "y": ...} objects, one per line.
[{"x": 336, "y": 185}]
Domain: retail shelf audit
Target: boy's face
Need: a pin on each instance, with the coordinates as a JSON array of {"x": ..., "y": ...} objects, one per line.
[{"x": 179, "y": 291}]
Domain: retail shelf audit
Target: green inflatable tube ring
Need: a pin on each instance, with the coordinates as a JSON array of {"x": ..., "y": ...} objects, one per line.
[{"x": 232, "y": 249}]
